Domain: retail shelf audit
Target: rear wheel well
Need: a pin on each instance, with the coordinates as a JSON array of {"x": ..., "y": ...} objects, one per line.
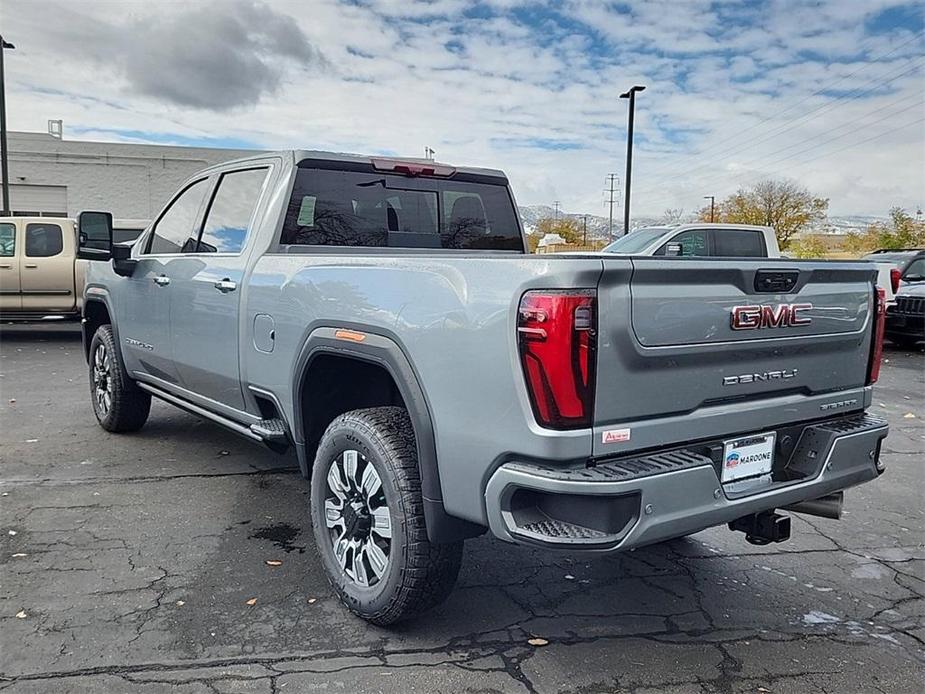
[
  {"x": 333, "y": 385},
  {"x": 95, "y": 315}
]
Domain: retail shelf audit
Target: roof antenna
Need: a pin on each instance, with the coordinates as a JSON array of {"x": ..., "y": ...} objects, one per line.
[
  {"x": 56, "y": 129},
  {"x": 429, "y": 153}
]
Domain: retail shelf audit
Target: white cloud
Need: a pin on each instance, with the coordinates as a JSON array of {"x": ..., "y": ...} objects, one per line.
[{"x": 522, "y": 86}]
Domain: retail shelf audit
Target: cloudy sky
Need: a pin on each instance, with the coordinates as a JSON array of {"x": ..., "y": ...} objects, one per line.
[{"x": 830, "y": 92}]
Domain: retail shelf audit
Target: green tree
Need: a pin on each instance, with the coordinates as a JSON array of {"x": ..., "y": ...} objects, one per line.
[
  {"x": 902, "y": 231},
  {"x": 784, "y": 205},
  {"x": 809, "y": 246}
]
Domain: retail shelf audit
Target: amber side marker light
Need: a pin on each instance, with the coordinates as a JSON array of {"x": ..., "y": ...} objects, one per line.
[{"x": 350, "y": 335}]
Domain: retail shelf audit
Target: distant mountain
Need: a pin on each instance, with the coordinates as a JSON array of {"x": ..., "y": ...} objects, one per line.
[{"x": 598, "y": 225}]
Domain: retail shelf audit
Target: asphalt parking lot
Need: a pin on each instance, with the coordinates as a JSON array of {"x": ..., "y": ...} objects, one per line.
[{"x": 139, "y": 563}]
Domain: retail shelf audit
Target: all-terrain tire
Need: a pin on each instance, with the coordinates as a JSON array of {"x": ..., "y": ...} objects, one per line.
[
  {"x": 419, "y": 574},
  {"x": 118, "y": 403}
]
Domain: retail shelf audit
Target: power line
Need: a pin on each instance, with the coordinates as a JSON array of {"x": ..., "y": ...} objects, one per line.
[
  {"x": 828, "y": 86},
  {"x": 765, "y": 174},
  {"x": 724, "y": 154},
  {"x": 758, "y": 161},
  {"x": 614, "y": 181}
]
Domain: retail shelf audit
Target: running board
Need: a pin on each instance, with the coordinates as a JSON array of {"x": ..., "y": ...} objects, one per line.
[
  {"x": 271, "y": 431},
  {"x": 236, "y": 427}
]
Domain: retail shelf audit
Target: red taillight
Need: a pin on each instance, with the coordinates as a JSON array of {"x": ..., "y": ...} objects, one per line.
[
  {"x": 876, "y": 352},
  {"x": 557, "y": 332},
  {"x": 895, "y": 274}
]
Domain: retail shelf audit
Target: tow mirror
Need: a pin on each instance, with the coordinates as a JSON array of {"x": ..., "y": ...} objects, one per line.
[
  {"x": 94, "y": 235},
  {"x": 673, "y": 249}
]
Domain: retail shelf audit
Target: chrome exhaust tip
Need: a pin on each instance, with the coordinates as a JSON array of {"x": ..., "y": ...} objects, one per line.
[{"x": 829, "y": 506}]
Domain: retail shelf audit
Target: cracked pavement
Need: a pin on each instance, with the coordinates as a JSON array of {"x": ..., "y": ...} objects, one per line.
[{"x": 132, "y": 559}]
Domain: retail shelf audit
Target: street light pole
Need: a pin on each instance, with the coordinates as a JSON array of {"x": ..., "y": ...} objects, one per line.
[
  {"x": 631, "y": 95},
  {"x": 4, "y": 164},
  {"x": 712, "y": 199}
]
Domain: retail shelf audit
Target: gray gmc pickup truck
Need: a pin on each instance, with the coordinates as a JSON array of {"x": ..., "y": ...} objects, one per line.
[{"x": 382, "y": 318}]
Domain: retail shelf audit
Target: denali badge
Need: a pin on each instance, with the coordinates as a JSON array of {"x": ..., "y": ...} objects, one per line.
[
  {"x": 766, "y": 316},
  {"x": 783, "y": 374}
]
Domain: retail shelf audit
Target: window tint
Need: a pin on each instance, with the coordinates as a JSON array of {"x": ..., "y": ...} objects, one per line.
[
  {"x": 125, "y": 235},
  {"x": 7, "y": 240},
  {"x": 352, "y": 208},
  {"x": 738, "y": 244},
  {"x": 230, "y": 214},
  {"x": 916, "y": 269},
  {"x": 693, "y": 243},
  {"x": 174, "y": 231},
  {"x": 43, "y": 240}
]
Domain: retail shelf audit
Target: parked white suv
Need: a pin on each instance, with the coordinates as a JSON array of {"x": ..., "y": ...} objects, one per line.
[{"x": 699, "y": 239}]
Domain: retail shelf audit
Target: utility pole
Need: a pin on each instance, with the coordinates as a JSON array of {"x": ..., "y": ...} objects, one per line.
[
  {"x": 584, "y": 230},
  {"x": 712, "y": 199},
  {"x": 631, "y": 95},
  {"x": 429, "y": 153},
  {"x": 555, "y": 206},
  {"x": 613, "y": 180},
  {"x": 4, "y": 153}
]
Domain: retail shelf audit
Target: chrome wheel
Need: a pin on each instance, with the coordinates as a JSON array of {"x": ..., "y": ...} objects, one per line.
[
  {"x": 357, "y": 518},
  {"x": 103, "y": 384}
]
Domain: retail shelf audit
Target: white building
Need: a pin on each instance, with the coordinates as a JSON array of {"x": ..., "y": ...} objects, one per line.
[{"x": 51, "y": 176}]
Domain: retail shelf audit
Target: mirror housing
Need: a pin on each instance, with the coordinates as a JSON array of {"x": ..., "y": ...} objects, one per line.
[
  {"x": 94, "y": 235},
  {"x": 673, "y": 249}
]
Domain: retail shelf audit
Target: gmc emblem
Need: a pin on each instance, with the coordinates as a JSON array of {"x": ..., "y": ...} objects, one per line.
[{"x": 783, "y": 316}]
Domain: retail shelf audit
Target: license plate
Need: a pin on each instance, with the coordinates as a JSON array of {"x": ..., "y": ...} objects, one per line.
[{"x": 749, "y": 456}]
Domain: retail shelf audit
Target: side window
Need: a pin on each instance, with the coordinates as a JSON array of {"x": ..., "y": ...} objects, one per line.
[
  {"x": 230, "y": 213},
  {"x": 43, "y": 240},
  {"x": 731, "y": 243},
  {"x": 693, "y": 243},
  {"x": 7, "y": 240},
  {"x": 174, "y": 231}
]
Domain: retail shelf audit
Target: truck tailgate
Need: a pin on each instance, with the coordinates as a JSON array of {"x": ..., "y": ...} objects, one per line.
[{"x": 674, "y": 364}]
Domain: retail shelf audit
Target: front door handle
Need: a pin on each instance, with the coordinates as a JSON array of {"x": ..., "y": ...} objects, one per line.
[
  {"x": 162, "y": 280},
  {"x": 225, "y": 286},
  {"x": 31, "y": 265},
  {"x": 5, "y": 267}
]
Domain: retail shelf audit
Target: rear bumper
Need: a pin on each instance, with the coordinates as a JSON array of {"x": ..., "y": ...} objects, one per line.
[{"x": 638, "y": 501}]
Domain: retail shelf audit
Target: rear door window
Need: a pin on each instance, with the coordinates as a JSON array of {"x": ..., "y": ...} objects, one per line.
[
  {"x": 175, "y": 231},
  {"x": 43, "y": 240},
  {"x": 229, "y": 216},
  {"x": 738, "y": 243},
  {"x": 384, "y": 210},
  {"x": 7, "y": 240}
]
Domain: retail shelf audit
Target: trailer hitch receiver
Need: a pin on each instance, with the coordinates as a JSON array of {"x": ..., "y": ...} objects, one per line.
[{"x": 763, "y": 528}]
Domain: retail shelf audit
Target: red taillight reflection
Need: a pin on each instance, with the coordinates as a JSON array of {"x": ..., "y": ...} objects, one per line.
[
  {"x": 895, "y": 274},
  {"x": 876, "y": 352},
  {"x": 557, "y": 337}
]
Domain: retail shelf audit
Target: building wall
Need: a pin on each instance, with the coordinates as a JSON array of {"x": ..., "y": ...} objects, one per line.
[{"x": 130, "y": 180}]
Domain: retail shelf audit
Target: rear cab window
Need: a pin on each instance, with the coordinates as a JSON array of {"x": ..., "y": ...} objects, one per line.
[
  {"x": 364, "y": 207},
  {"x": 739, "y": 243}
]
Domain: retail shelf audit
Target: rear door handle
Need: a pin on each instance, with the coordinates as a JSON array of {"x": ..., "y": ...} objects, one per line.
[
  {"x": 225, "y": 286},
  {"x": 162, "y": 280},
  {"x": 31, "y": 265}
]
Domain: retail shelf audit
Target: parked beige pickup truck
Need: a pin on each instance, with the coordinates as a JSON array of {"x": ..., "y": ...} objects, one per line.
[{"x": 40, "y": 276}]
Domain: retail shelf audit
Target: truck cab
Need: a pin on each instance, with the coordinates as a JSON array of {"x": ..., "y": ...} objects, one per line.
[{"x": 39, "y": 278}]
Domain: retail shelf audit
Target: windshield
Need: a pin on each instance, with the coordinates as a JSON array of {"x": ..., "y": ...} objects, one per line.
[
  {"x": 915, "y": 272},
  {"x": 635, "y": 241}
]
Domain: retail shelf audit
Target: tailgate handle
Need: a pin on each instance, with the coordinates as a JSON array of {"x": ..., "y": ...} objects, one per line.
[{"x": 776, "y": 281}]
